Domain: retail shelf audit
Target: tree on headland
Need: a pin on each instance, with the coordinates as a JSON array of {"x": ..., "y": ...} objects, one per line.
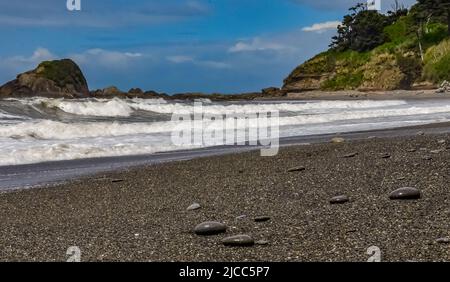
[
  {"x": 429, "y": 11},
  {"x": 363, "y": 29}
]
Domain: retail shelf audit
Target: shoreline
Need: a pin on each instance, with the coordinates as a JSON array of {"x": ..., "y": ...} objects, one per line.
[
  {"x": 140, "y": 214},
  {"x": 258, "y": 96},
  {"x": 36, "y": 175}
]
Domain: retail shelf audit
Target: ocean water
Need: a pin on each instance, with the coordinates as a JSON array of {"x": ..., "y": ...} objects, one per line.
[{"x": 43, "y": 129}]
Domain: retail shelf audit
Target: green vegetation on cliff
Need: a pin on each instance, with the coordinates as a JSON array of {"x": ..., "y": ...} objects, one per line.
[{"x": 398, "y": 50}]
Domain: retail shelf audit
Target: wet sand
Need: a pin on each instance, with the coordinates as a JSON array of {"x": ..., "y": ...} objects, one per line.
[{"x": 140, "y": 214}]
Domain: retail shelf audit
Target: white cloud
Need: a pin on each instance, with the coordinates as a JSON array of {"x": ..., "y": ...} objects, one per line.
[
  {"x": 39, "y": 55},
  {"x": 322, "y": 27},
  {"x": 179, "y": 59},
  {"x": 182, "y": 59},
  {"x": 105, "y": 58},
  {"x": 256, "y": 44}
]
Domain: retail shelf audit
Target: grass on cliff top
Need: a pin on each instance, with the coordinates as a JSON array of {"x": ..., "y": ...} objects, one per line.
[{"x": 437, "y": 62}]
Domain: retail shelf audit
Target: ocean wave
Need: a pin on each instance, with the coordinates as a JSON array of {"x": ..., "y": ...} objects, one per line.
[
  {"x": 126, "y": 107},
  {"x": 49, "y": 129}
]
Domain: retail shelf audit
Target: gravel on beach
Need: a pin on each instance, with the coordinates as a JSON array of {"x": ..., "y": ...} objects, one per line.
[{"x": 144, "y": 216}]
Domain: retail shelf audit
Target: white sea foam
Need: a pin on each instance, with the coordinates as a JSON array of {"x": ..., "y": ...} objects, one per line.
[
  {"x": 125, "y": 107},
  {"x": 87, "y": 133}
]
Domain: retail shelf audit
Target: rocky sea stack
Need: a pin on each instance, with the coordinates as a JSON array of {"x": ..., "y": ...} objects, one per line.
[{"x": 59, "y": 78}]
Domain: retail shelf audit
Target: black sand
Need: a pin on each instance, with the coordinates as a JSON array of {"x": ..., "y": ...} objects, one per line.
[{"x": 144, "y": 217}]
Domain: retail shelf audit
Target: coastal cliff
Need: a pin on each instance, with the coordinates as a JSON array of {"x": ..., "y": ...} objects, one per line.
[{"x": 403, "y": 49}]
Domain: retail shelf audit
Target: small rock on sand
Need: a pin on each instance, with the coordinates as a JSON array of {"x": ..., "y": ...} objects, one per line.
[
  {"x": 117, "y": 180},
  {"x": 262, "y": 218},
  {"x": 238, "y": 241},
  {"x": 194, "y": 206},
  {"x": 337, "y": 140},
  {"x": 427, "y": 158},
  {"x": 385, "y": 156},
  {"x": 262, "y": 242},
  {"x": 405, "y": 193},
  {"x": 297, "y": 168},
  {"x": 445, "y": 240},
  {"x": 210, "y": 228},
  {"x": 341, "y": 199},
  {"x": 350, "y": 155}
]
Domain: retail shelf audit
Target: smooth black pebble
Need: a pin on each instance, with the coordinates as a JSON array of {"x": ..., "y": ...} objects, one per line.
[
  {"x": 239, "y": 241},
  {"x": 297, "y": 168},
  {"x": 350, "y": 155},
  {"x": 341, "y": 199},
  {"x": 405, "y": 193},
  {"x": 210, "y": 228},
  {"x": 262, "y": 218}
]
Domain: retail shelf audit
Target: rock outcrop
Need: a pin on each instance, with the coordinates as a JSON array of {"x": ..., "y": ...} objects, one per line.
[{"x": 60, "y": 78}]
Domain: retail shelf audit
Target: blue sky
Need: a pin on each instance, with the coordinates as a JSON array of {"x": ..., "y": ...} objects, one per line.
[{"x": 170, "y": 46}]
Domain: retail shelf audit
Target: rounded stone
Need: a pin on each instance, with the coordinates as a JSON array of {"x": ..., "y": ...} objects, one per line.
[
  {"x": 385, "y": 156},
  {"x": 239, "y": 241},
  {"x": 350, "y": 155},
  {"x": 444, "y": 240},
  {"x": 341, "y": 199},
  {"x": 194, "y": 206},
  {"x": 296, "y": 169},
  {"x": 262, "y": 218},
  {"x": 262, "y": 242},
  {"x": 337, "y": 140},
  {"x": 405, "y": 193},
  {"x": 210, "y": 228}
]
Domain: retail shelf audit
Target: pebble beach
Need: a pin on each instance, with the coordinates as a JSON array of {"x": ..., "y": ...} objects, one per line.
[{"x": 319, "y": 202}]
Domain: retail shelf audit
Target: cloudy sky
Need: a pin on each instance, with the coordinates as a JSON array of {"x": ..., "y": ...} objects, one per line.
[{"x": 170, "y": 45}]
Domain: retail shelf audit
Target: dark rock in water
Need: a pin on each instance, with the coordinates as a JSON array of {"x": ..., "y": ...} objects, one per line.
[
  {"x": 405, "y": 193},
  {"x": 239, "y": 241},
  {"x": 445, "y": 240},
  {"x": 350, "y": 155},
  {"x": 339, "y": 199},
  {"x": 427, "y": 158},
  {"x": 385, "y": 156},
  {"x": 136, "y": 91},
  {"x": 194, "y": 206},
  {"x": 262, "y": 218},
  {"x": 297, "y": 168},
  {"x": 60, "y": 78},
  {"x": 210, "y": 228},
  {"x": 262, "y": 242}
]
